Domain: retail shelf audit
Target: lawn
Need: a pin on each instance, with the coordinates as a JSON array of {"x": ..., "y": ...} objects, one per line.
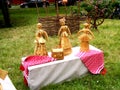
[{"x": 18, "y": 41}]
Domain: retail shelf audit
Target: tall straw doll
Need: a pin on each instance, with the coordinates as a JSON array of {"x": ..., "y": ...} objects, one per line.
[
  {"x": 85, "y": 35},
  {"x": 41, "y": 37},
  {"x": 64, "y": 33}
]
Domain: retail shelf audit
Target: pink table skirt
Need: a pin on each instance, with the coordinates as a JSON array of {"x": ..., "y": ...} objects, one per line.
[
  {"x": 93, "y": 60},
  {"x": 34, "y": 60}
]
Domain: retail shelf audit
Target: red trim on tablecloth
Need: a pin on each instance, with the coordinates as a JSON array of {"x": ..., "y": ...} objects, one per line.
[
  {"x": 103, "y": 71},
  {"x": 22, "y": 67},
  {"x": 25, "y": 81}
]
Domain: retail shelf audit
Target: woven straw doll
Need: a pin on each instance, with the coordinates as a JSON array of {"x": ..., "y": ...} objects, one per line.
[
  {"x": 85, "y": 35},
  {"x": 1, "y": 88},
  {"x": 41, "y": 37},
  {"x": 64, "y": 33}
]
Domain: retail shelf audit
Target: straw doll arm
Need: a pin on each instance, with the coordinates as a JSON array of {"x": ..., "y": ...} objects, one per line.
[
  {"x": 59, "y": 32},
  {"x": 91, "y": 34},
  {"x": 80, "y": 31},
  {"x": 45, "y": 35},
  {"x": 68, "y": 31},
  {"x": 37, "y": 37}
]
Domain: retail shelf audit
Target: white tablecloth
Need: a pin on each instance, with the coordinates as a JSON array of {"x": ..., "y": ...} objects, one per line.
[
  {"x": 7, "y": 84},
  {"x": 56, "y": 71}
]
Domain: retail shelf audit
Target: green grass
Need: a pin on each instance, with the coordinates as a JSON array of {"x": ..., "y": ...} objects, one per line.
[{"x": 18, "y": 41}]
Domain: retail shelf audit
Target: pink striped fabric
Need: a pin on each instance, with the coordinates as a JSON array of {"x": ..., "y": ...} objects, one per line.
[
  {"x": 93, "y": 60},
  {"x": 35, "y": 60}
]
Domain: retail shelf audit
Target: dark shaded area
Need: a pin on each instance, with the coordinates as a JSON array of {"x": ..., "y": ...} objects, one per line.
[
  {"x": 116, "y": 13},
  {"x": 5, "y": 13},
  {"x": 31, "y": 4},
  {"x": 69, "y": 2}
]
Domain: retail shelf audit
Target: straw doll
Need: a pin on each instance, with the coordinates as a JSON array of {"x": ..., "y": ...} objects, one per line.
[
  {"x": 85, "y": 35},
  {"x": 41, "y": 37},
  {"x": 64, "y": 33},
  {"x": 1, "y": 88}
]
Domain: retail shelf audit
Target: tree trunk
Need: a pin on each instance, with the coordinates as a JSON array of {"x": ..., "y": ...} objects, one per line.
[{"x": 4, "y": 8}]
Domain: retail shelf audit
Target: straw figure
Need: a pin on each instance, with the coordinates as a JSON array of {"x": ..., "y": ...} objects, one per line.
[
  {"x": 85, "y": 35},
  {"x": 64, "y": 33},
  {"x": 1, "y": 88},
  {"x": 41, "y": 37}
]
